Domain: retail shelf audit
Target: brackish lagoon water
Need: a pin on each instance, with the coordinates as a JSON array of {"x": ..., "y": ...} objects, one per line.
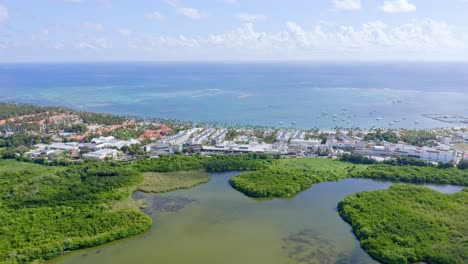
[
  {"x": 250, "y": 93},
  {"x": 213, "y": 223}
]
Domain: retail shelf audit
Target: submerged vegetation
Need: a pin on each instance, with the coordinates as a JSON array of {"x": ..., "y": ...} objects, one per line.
[
  {"x": 408, "y": 224},
  {"x": 156, "y": 182}
]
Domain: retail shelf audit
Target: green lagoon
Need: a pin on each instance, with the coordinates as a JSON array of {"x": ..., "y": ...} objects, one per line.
[{"x": 213, "y": 223}]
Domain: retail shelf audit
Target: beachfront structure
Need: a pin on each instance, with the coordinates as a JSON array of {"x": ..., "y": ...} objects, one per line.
[
  {"x": 111, "y": 142},
  {"x": 236, "y": 148},
  {"x": 63, "y": 146},
  {"x": 202, "y": 137},
  {"x": 159, "y": 149},
  {"x": 303, "y": 147},
  {"x": 387, "y": 150},
  {"x": 397, "y": 150},
  {"x": 181, "y": 137},
  {"x": 298, "y": 135},
  {"x": 283, "y": 136},
  {"x": 219, "y": 136},
  {"x": 341, "y": 141},
  {"x": 101, "y": 154},
  {"x": 437, "y": 155}
]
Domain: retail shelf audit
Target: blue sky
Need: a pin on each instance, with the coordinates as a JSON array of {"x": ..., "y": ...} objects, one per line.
[{"x": 229, "y": 30}]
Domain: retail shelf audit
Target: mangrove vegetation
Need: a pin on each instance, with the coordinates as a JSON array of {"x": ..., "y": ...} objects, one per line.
[{"x": 409, "y": 224}]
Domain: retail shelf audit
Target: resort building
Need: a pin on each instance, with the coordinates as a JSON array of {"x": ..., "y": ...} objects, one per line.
[{"x": 102, "y": 154}]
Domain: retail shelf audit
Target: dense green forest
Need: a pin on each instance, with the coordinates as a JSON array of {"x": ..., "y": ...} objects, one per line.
[
  {"x": 8, "y": 110},
  {"x": 290, "y": 176},
  {"x": 276, "y": 181},
  {"x": 414, "y": 174},
  {"x": 46, "y": 210},
  {"x": 217, "y": 163},
  {"x": 409, "y": 224},
  {"x": 23, "y": 139}
]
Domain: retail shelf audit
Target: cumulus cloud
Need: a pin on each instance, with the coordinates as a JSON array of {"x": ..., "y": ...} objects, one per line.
[
  {"x": 190, "y": 12},
  {"x": 372, "y": 40},
  {"x": 155, "y": 15},
  {"x": 347, "y": 4},
  {"x": 397, "y": 6},
  {"x": 3, "y": 14},
  {"x": 93, "y": 26},
  {"x": 100, "y": 43},
  {"x": 247, "y": 17}
]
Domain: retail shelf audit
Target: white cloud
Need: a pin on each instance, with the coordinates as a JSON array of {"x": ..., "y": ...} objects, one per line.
[
  {"x": 397, "y": 6},
  {"x": 190, "y": 12},
  {"x": 247, "y": 17},
  {"x": 420, "y": 39},
  {"x": 124, "y": 32},
  {"x": 230, "y": 1},
  {"x": 155, "y": 15},
  {"x": 3, "y": 14},
  {"x": 100, "y": 43},
  {"x": 347, "y": 4},
  {"x": 93, "y": 26}
]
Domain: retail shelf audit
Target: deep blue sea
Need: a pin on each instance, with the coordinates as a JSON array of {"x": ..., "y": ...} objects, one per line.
[{"x": 250, "y": 93}]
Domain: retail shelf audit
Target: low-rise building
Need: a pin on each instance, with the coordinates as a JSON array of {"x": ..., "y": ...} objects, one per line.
[
  {"x": 283, "y": 136},
  {"x": 181, "y": 137},
  {"x": 159, "y": 149},
  {"x": 102, "y": 154},
  {"x": 63, "y": 146},
  {"x": 111, "y": 142},
  {"x": 437, "y": 155},
  {"x": 219, "y": 136}
]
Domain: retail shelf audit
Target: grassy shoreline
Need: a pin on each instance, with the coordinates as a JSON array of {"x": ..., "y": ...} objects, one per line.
[{"x": 155, "y": 182}]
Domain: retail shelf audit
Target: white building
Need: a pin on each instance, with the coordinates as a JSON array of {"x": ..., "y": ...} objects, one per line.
[
  {"x": 219, "y": 136},
  {"x": 236, "y": 148},
  {"x": 202, "y": 137},
  {"x": 302, "y": 146},
  {"x": 437, "y": 155},
  {"x": 283, "y": 136},
  {"x": 63, "y": 146},
  {"x": 111, "y": 142},
  {"x": 181, "y": 137},
  {"x": 101, "y": 154},
  {"x": 298, "y": 135}
]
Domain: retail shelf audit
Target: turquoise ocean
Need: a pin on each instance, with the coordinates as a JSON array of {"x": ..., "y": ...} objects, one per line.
[{"x": 303, "y": 95}]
